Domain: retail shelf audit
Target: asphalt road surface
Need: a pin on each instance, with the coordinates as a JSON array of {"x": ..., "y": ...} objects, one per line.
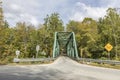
[{"x": 62, "y": 69}]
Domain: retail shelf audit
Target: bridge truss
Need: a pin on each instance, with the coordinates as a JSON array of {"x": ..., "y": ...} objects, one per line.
[{"x": 65, "y": 44}]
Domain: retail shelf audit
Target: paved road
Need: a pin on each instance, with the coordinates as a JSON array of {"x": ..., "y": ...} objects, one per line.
[{"x": 62, "y": 69}]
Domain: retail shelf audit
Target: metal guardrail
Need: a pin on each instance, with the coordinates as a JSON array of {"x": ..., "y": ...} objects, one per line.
[
  {"x": 33, "y": 59},
  {"x": 99, "y": 61},
  {"x": 78, "y": 59}
]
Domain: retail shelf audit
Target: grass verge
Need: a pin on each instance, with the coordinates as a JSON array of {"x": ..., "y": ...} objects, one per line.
[
  {"x": 102, "y": 65},
  {"x": 30, "y": 63}
]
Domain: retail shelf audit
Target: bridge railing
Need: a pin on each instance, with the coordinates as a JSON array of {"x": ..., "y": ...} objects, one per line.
[
  {"x": 77, "y": 59},
  {"x": 33, "y": 60},
  {"x": 99, "y": 61}
]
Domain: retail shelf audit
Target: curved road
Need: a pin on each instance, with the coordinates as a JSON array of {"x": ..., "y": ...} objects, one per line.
[{"x": 62, "y": 69}]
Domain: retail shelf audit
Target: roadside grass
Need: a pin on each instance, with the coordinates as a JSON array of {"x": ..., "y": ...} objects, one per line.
[
  {"x": 30, "y": 63},
  {"x": 106, "y": 65},
  {"x": 102, "y": 65}
]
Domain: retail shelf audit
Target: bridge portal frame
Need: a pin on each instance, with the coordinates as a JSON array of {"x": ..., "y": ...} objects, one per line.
[{"x": 66, "y": 39}]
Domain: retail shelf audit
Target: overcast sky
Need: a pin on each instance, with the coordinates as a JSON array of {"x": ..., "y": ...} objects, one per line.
[{"x": 34, "y": 11}]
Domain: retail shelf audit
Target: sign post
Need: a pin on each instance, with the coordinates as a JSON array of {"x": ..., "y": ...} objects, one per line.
[
  {"x": 108, "y": 47},
  {"x": 37, "y": 49},
  {"x": 17, "y": 53}
]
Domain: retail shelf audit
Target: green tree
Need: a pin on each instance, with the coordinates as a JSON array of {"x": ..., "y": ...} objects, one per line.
[
  {"x": 109, "y": 30},
  {"x": 1, "y": 16},
  {"x": 52, "y": 24},
  {"x": 86, "y": 34}
]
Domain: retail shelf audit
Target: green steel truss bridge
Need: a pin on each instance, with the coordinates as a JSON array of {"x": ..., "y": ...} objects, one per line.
[{"x": 65, "y": 44}]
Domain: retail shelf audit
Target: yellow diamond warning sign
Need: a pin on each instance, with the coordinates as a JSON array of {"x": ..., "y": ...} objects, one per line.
[{"x": 108, "y": 47}]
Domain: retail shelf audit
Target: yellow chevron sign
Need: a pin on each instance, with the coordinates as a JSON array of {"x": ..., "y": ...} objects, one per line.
[{"x": 108, "y": 47}]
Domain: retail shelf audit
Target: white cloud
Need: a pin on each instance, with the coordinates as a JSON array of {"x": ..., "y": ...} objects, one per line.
[
  {"x": 34, "y": 11},
  {"x": 29, "y": 19},
  {"x": 21, "y": 10},
  {"x": 8, "y": 15},
  {"x": 113, "y": 3},
  {"x": 15, "y": 7},
  {"x": 81, "y": 11},
  {"x": 34, "y": 21}
]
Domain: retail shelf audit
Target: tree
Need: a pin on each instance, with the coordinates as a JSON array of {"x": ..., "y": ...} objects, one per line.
[
  {"x": 86, "y": 34},
  {"x": 109, "y": 30},
  {"x": 1, "y": 16},
  {"x": 52, "y": 24}
]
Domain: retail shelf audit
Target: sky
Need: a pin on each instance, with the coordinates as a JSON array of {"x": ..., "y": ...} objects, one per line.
[{"x": 34, "y": 11}]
